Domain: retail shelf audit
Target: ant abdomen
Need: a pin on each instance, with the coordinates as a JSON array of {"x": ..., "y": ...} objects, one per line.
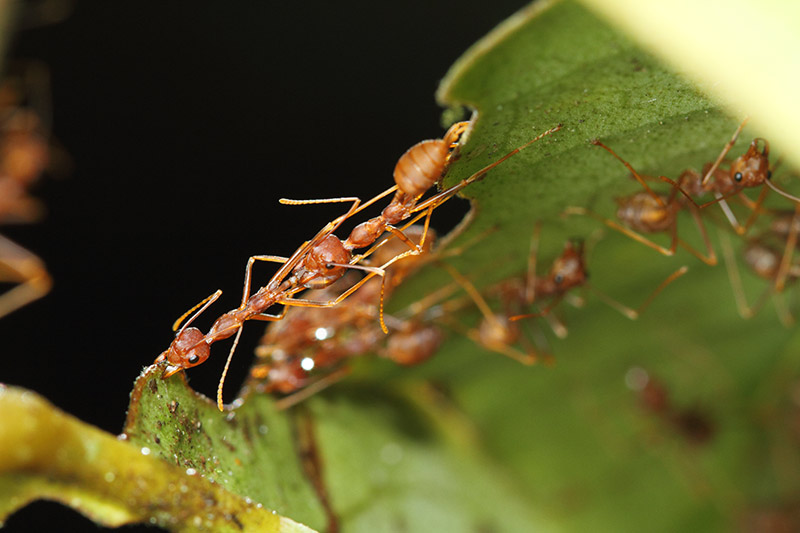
[
  {"x": 762, "y": 259},
  {"x": 643, "y": 212},
  {"x": 421, "y": 166},
  {"x": 409, "y": 348}
]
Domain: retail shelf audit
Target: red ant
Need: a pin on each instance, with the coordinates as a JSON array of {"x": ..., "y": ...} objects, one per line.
[
  {"x": 310, "y": 340},
  {"x": 498, "y": 331},
  {"x": 325, "y": 258},
  {"x": 24, "y": 156},
  {"x": 769, "y": 256},
  {"x": 750, "y": 169},
  {"x": 648, "y": 212}
]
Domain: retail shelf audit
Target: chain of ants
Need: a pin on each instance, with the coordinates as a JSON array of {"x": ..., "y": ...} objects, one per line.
[
  {"x": 311, "y": 342},
  {"x": 325, "y": 259}
]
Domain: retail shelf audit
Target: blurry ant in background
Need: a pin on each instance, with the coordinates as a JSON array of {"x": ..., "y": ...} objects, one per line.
[
  {"x": 750, "y": 169},
  {"x": 649, "y": 212},
  {"x": 25, "y": 154},
  {"x": 691, "y": 423},
  {"x": 498, "y": 331},
  {"x": 769, "y": 256}
]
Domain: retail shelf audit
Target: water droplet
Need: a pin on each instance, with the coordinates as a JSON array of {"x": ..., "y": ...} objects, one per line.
[
  {"x": 323, "y": 333},
  {"x": 145, "y": 450}
]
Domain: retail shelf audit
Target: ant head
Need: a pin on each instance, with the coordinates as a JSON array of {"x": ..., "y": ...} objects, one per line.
[
  {"x": 752, "y": 168},
  {"x": 186, "y": 351}
]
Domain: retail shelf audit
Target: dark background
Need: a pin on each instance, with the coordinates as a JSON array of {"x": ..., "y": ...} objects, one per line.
[{"x": 185, "y": 122}]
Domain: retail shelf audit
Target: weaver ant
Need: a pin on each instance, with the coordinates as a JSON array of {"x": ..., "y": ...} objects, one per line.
[
  {"x": 498, "y": 331},
  {"x": 313, "y": 340},
  {"x": 24, "y": 156},
  {"x": 691, "y": 423},
  {"x": 325, "y": 258},
  {"x": 770, "y": 257},
  {"x": 750, "y": 169},
  {"x": 649, "y": 212}
]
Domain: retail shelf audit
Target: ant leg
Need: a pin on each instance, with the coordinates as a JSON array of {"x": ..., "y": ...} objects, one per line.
[
  {"x": 300, "y": 254},
  {"x": 503, "y": 349},
  {"x": 492, "y": 320},
  {"x": 788, "y": 251},
  {"x": 574, "y": 300},
  {"x": 438, "y": 199},
  {"x": 745, "y": 310},
  {"x": 729, "y": 214},
  {"x": 270, "y": 318},
  {"x": 530, "y": 278},
  {"x": 371, "y": 272},
  {"x": 711, "y": 257},
  {"x": 633, "y": 314},
  {"x": 400, "y": 230},
  {"x": 724, "y": 152},
  {"x": 248, "y": 271},
  {"x": 636, "y": 175},
  {"x": 473, "y": 293},
  {"x": 204, "y": 304},
  {"x": 784, "y": 315},
  {"x": 20, "y": 265},
  {"x": 542, "y": 312},
  {"x": 312, "y": 389},
  {"x": 387, "y": 192},
  {"x": 225, "y": 370},
  {"x": 755, "y": 207},
  {"x": 558, "y": 327},
  {"x": 638, "y": 237}
]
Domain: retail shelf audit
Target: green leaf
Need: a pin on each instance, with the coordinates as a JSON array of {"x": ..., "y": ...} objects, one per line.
[
  {"x": 473, "y": 441},
  {"x": 48, "y": 454},
  {"x": 747, "y": 53}
]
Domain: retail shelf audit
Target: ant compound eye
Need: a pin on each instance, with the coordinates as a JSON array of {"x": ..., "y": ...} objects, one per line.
[
  {"x": 559, "y": 279},
  {"x": 769, "y": 174},
  {"x": 193, "y": 359},
  {"x": 738, "y": 176},
  {"x": 329, "y": 266}
]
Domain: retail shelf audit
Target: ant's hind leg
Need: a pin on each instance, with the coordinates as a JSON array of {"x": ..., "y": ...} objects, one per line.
[
  {"x": 631, "y": 313},
  {"x": 711, "y": 257},
  {"x": 19, "y": 265}
]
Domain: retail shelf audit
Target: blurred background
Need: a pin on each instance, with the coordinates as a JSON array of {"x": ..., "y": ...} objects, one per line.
[{"x": 183, "y": 124}]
